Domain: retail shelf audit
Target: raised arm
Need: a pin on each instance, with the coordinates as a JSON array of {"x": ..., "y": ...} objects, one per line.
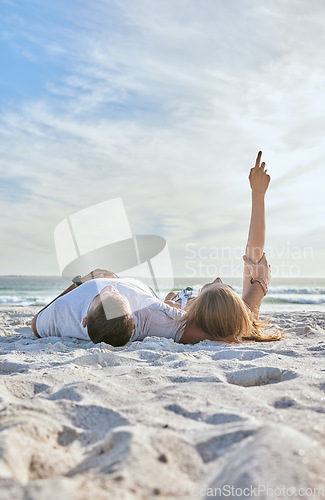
[
  {"x": 260, "y": 274},
  {"x": 259, "y": 182}
]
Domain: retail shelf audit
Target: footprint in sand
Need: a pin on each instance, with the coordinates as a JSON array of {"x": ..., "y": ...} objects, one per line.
[
  {"x": 215, "y": 419},
  {"x": 7, "y": 367},
  {"x": 318, "y": 351},
  {"x": 24, "y": 388},
  {"x": 181, "y": 380},
  {"x": 218, "y": 445},
  {"x": 223, "y": 418},
  {"x": 68, "y": 393},
  {"x": 284, "y": 402},
  {"x": 95, "y": 418},
  {"x": 241, "y": 354},
  {"x": 288, "y": 352},
  {"x": 107, "y": 456},
  {"x": 67, "y": 436},
  {"x": 258, "y": 376},
  {"x": 197, "y": 415}
]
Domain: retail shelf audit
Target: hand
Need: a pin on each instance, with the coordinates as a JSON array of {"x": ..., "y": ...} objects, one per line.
[
  {"x": 258, "y": 178},
  {"x": 171, "y": 295},
  {"x": 98, "y": 273},
  {"x": 260, "y": 270}
]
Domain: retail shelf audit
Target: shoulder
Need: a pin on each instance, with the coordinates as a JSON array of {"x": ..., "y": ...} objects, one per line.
[
  {"x": 135, "y": 283},
  {"x": 87, "y": 290},
  {"x": 168, "y": 310}
]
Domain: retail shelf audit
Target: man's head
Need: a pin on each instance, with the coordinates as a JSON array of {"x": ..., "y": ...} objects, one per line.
[{"x": 109, "y": 318}]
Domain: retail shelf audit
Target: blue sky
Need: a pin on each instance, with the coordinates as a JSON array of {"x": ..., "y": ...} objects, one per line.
[{"x": 165, "y": 104}]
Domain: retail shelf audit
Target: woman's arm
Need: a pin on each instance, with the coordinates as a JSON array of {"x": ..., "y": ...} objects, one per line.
[
  {"x": 169, "y": 299},
  {"x": 259, "y": 182},
  {"x": 261, "y": 272},
  {"x": 171, "y": 295}
]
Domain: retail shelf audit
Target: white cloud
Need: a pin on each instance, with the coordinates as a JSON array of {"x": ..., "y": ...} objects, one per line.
[{"x": 166, "y": 105}]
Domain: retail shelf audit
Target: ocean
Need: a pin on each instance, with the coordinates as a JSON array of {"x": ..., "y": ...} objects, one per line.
[{"x": 285, "y": 294}]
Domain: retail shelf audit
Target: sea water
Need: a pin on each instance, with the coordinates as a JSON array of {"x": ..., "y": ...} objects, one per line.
[{"x": 285, "y": 294}]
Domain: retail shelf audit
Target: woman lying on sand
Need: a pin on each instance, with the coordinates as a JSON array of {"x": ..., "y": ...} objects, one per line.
[
  {"x": 107, "y": 308},
  {"x": 217, "y": 309}
]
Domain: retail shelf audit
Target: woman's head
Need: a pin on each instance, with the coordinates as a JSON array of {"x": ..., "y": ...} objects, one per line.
[
  {"x": 220, "y": 312},
  {"x": 223, "y": 315}
]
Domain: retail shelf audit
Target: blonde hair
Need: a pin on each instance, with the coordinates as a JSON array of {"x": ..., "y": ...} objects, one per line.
[{"x": 220, "y": 312}]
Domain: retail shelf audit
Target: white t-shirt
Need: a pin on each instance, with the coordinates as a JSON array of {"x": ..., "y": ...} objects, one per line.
[{"x": 152, "y": 317}]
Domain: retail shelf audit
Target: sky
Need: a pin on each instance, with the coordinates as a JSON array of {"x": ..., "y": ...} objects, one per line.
[{"x": 164, "y": 104}]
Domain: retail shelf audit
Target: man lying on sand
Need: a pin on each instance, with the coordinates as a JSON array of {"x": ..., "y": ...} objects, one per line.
[{"x": 107, "y": 308}]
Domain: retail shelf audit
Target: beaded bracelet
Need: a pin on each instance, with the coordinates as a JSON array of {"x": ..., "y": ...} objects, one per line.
[
  {"x": 267, "y": 289},
  {"x": 262, "y": 283}
]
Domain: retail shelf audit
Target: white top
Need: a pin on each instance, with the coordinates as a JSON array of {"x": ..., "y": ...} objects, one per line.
[{"x": 152, "y": 317}]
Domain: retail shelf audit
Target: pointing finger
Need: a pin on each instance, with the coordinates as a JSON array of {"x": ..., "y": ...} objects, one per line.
[{"x": 258, "y": 159}]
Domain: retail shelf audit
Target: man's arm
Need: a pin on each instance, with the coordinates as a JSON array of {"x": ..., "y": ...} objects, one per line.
[
  {"x": 33, "y": 324},
  {"x": 97, "y": 273},
  {"x": 259, "y": 181}
]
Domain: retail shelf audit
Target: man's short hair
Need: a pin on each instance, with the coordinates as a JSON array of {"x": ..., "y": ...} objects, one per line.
[{"x": 110, "y": 322}]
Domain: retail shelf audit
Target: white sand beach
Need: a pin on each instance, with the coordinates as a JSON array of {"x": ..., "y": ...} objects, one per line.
[{"x": 156, "y": 419}]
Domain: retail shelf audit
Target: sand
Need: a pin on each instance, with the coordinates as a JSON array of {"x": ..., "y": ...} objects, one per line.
[{"x": 156, "y": 419}]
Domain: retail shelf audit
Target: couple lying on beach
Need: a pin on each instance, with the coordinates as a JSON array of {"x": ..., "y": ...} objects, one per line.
[{"x": 103, "y": 307}]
